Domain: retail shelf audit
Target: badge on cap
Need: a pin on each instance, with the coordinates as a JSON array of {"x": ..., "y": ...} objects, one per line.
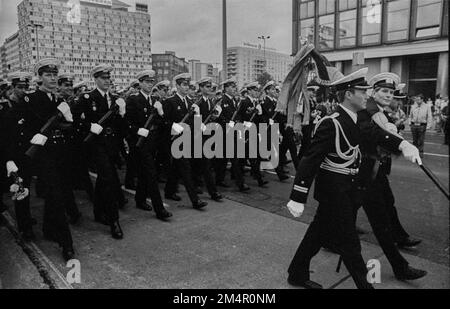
[
  {"x": 389, "y": 81},
  {"x": 27, "y": 99},
  {"x": 86, "y": 96}
]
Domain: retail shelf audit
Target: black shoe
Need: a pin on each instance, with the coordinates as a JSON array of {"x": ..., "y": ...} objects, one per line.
[
  {"x": 200, "y": 204},
  {"x": 101, "y": 219},
  {"x": 410, "y": 274},
  {"x": 116, "y": 230},
  {"x": 307, "y": 284},
  {"x": 408, "y": 243},
  {"x": 28, "y": 235},
  {"x": 75, "y": 219},
  {"x": 68, "y": 253},
  {"x": 173, "y": 197},
  {"x": 244, "y": 188},
  {"x": 222, "y": 184},
  {"x": 163, "y": 215},
  {"x": 262, "y": 183},
  {"x": 283, "y": 177},
  {"x": 217, "y": 197},
  {"x": 144, "y": 206}
]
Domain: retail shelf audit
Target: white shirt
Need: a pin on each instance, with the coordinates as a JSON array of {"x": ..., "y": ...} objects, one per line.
[
  {"x": 145, "y": 96},
  {"x": 352, "y": 115}
]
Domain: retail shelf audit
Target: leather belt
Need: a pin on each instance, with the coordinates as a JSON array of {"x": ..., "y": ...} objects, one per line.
[{"x": 340, "y": 170}]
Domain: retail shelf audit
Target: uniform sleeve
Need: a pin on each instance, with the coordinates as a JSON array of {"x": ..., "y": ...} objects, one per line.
[
  {"x": 322, "y": 143},
  {"x": 372, "y": 134},
  {"x": 79, "y": 110}
]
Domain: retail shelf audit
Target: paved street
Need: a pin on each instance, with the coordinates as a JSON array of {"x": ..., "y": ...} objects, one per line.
[{"x": 245, "y": 242}]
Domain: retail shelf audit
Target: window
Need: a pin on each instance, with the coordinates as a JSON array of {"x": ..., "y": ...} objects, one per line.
[
  {"x": 326, "y": 6},
  {"x": 428, "y": 18},
  {"x": 371, "y": 22},
  {"x": 307, "y": 30},
  {"x": 307, "y": 8},
  {"x": 398, "y": 12},
  {"x": 326, "y": 32},
  {"x": 347, "y": 24}
]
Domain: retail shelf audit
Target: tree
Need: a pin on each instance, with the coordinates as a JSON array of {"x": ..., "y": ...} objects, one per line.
[{"x": 264, "y": 78}]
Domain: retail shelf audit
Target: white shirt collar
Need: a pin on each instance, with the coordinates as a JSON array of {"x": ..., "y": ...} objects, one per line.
[
  {"x": 205, "y": 98},
  {"x": 101, "y": 92},
  {"x": 352, "y": 115},
  {"x": 145, "y": 95},
  {"x": 182, "y": 98}
]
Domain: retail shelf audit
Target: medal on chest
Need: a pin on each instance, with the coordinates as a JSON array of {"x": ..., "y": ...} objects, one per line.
[{"x": 94, "y": 106}]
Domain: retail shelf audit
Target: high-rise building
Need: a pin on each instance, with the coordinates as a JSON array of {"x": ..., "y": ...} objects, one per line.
[
  {"x": 247, "y": 63},
  {"x": 407, "y": 37},
  {"x": 168, "y": 65},
  {"x": 95, "y": 32},
  {"x": 200, "y": 70},
  {"x": 9, "y": 55}
]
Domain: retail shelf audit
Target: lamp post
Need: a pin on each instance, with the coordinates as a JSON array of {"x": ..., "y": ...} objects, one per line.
[
  {"x": 36, "y": 27},
  {"x": 264, "y": 38}
]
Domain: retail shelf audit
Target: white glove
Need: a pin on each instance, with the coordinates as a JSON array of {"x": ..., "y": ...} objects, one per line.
[
  {"x": 177, "y": 129},
  {"x": 64, "y": 108},
  {"x": 203, "y": 127},
  {"x": 196, "y": 109},
  {"x": 259, "y": 109},
  {"x": 271, "y": 122},
  {"x": 96, "y": 128},
  {"x": 296, "y": 209},
  {"x": 219, "y": 110},
  {"x": 143, "y": 132},
  {"x": 39, "y": 140},
  {"x": 410, "y": 152},
  {"x": 11, "y": 167},
  {"x": 232, "y": 124},
  {"x": 159, "y": 108},
  {"x": 122, "y": 107},
  {"x": 248, "y": 124}
]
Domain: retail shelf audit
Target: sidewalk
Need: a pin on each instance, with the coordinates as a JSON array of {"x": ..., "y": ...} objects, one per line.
[{"x": 229, "y": 245}]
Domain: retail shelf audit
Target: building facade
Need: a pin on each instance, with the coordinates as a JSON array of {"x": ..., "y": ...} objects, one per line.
[
  {"x": 200, "y": 70},
  {"x": 95, "y": 32},
  {"x": 168, "y": 65},
  {"x": 247, "y": 63},
  {"x": 9, "y": 55},
  {"x": 407, "y": 37}
]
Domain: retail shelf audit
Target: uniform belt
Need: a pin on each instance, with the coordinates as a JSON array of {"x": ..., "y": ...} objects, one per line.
[
  {"x": 419, "y": 124},
  {"x": 340, "y": 170},
  {"x": 108, "y": 131}
]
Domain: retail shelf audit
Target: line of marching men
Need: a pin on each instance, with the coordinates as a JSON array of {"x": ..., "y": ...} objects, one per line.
[{"x": 60, "y": 132}]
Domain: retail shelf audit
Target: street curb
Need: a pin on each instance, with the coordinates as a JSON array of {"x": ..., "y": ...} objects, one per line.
[{"x": 50, "y": 274}]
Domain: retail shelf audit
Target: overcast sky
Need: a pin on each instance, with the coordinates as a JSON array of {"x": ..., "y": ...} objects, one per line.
[{"x": 193, "y": 28}]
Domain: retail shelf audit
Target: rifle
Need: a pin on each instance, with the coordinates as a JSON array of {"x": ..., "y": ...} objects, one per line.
[
  {"x": 113, "y": 110},
  {"x": 211, "y": 114},
  {"x": 18, "y": 190},
  {"x": 147, "y": 125},
  {"x": 31, "y": 152},
  {"x": 186, "y": 117}
]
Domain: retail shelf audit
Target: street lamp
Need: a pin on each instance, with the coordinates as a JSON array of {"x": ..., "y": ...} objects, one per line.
[
  {"x": 36, "y": 27},
  {"x": 264, "y": 38}
]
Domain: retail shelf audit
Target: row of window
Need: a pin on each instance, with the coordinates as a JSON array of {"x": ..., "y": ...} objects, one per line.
[{"x": 331, "y": 24}]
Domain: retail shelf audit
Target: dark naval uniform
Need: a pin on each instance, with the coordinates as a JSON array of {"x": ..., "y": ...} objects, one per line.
[
  {"x": 175, "y": 109},
  {"x": 4, "y": 107},
  {"x": 334, "y": 157},
  {"x": 104, "y": 149},
  {"x": 25, "y": 120},
  {"x": 378, "y": 199},
  {"x": 229, "y": 107},
  {"x": 202, "y": 167},
  {"x": 139, "y": 109}
]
